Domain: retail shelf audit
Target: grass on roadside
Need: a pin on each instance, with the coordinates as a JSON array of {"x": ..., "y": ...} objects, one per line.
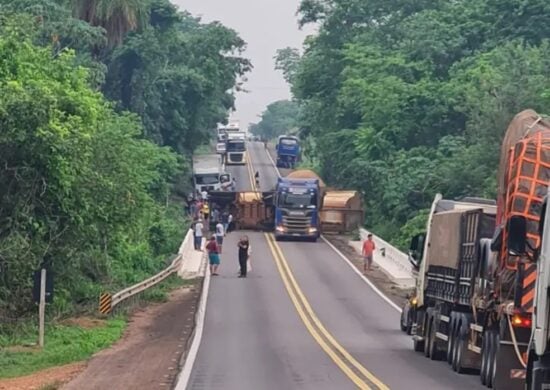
[
  {"x": 68, "y": 343},
  {"x": 63, "y": 344}
]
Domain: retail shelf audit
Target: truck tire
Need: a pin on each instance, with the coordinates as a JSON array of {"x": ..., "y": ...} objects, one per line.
[
  {"x": 435, "y": 353},
  {"x": 484, "y": 359},
  {"x": 461, "y": 344},
  {"x": 427, "y": 333},
  {"x": 402, "y": 321},
  {"x": 492, "y": 357},
  {"x": 450, "y": 344}
]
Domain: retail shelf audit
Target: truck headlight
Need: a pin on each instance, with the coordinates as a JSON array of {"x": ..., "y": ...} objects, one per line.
[
  {"x": 312, "y": 230},
  {"x": 280, "y": 228}
]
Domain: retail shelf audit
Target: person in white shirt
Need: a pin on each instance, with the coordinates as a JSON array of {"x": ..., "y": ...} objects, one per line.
[
  {"x": 197, "y": 229},
  {"x": 204, "y": 195},
  {"x": 229, "y": 221},
  {"x": 220, "y": 232}
]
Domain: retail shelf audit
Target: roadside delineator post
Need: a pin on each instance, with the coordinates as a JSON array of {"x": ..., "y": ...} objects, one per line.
[{"x": 105, "y": 303}]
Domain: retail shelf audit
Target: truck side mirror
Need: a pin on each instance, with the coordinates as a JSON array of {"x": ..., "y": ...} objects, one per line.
[
  {"x": 517, "y": 235},
  {"x": 416, "y": 250}
]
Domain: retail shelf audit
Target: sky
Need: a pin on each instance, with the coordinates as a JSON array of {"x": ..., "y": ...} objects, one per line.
[{"x": 266, "y": 25}]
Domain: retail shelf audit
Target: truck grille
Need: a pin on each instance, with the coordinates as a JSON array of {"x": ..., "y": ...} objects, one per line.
[
  {"x": 235, "y": 157},
  {"x": 296, "y": 224}
]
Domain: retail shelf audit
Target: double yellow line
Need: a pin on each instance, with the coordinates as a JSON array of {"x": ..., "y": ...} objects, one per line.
[
  {"x": 251, "y": 171},
  {"x": 358, "y": 374}
]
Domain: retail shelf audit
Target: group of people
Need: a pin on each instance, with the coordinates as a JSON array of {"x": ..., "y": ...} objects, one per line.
[{"x": 214, "y": 249}]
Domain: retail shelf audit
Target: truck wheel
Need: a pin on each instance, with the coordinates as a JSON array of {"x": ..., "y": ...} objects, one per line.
[
  {"x": 493, "y": 350},
  {"x": 450, "y": 344},
  {"x": 402, "y": 321},
  {"x": 427, "y": 335},
  {"x": 461, "y": 342},
  {"x": 435, "y": 353},
  {"x": 484, "y": 359}
]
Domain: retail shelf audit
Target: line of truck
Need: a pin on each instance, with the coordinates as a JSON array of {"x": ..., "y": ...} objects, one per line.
[{"x": 481, "y": 300}]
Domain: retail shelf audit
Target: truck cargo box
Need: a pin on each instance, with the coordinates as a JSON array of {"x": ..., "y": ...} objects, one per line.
[{"x": 452, "y": 252}]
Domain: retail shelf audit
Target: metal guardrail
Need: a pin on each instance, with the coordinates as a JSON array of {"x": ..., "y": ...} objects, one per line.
[{"x": 107, "y": 301}]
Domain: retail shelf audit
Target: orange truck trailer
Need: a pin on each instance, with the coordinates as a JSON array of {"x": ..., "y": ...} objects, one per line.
[{"x": 475, "y": 290}]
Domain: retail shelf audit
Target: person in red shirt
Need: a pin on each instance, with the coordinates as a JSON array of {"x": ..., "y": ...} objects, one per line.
[
  {"x": 213, "y": 255},
  {"x": 368, "y": 251}
]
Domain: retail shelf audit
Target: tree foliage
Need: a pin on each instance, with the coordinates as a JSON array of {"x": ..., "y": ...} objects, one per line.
[
  {"x": 280, "y": 117},
  {"x": 91, "y": 119},
  {"x": 405, "y": 99}
]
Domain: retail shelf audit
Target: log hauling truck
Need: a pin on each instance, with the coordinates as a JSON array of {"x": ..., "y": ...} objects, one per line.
[{"x": 478, "y": 301}]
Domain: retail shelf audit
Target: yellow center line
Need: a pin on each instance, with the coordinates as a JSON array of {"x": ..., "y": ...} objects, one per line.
[
  {"x": 321, "y": 327},
  {"x": 250, "y": 172},
  {"x": 296, "y": 296},
  {"x": 335, "y": 358}
]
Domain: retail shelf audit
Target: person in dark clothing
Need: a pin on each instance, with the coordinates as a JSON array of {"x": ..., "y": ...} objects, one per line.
[{"x": 244, "y": 255}]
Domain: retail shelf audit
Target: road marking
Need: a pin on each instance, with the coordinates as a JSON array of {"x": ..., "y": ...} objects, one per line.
[
  {"x": 344, "y": 257},
  {"x": 309, "y": 326},
  {"x": 250, "y": 172},
  {"x": 319, "y": 324},
  {"x": 190, "y": 358}
]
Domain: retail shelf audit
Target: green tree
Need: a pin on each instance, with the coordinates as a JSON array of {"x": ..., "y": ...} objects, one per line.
[
  {"x": 117, "y": 17},
  {"x": 280, "y": 117}
]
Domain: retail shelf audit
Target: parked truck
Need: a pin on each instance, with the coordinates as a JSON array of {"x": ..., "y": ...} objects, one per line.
[
  {"x": 208, "y": 172},
  {"x": 288, "y": 151},
  {"x": 235, "y": 150},
  {"x": 297, "y": 205},
  {"x": 474, "y": 298}
]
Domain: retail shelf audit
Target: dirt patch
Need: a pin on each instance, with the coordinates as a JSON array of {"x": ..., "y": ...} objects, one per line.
[
  {"x": 84, "y": 322},
  {"x": 376, "y": 276},
  {"x": 52, "y": 378},
  {"x": 148, "y": 355}
]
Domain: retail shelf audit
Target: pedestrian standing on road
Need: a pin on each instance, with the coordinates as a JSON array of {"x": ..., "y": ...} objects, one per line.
[
  {"x": 198, "y": 228},
  {"x": 204, "y": 195},
  {"x": 244, "y": 255},
  {"x": 206, "y": 212},
  {"x": 234, "y": 185},
  {"x": 368, "y": 252},
  {"x": 213, "y": 255},
  {"x": 220, "y": 232},
  {"x": 257, "y": 178},
  {"x": 225, "y": 218},
  {"x": 215, "y": 214},
  {"x": 229, "y": 222},
  {"x": 193, "y": 209}
]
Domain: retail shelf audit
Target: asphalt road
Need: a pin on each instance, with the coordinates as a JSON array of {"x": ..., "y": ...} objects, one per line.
[{"x": 257, "y": 336}]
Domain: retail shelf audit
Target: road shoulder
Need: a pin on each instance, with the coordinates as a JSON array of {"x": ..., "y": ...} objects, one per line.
[
  {"x": 148, "y": 355},
  {"x": 376, "y": 276}
]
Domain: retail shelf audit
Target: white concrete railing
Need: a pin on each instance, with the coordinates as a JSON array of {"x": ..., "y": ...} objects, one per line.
[{"x": 391, "y": 260}]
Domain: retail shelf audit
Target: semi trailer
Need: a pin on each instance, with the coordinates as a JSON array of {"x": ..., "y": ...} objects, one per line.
[{"x": 475, "y": 308}]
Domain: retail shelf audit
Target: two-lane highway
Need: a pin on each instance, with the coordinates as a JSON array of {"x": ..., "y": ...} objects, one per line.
[{"x": 304, "y": 319}]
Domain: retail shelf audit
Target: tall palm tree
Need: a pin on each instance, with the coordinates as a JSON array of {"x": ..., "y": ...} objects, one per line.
[{"x": 117, "y": 17}]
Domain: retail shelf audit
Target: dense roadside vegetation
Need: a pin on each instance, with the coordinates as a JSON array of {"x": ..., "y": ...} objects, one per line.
[
  {"x": 102, "y": 104},
  {"x": 279, "y": 118},
  {"x": 404, "y": 99}
]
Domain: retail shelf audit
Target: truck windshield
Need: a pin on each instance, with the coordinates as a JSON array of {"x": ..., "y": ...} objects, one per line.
[
  {"x": 288, "y": 142},
  {"x": 236, "y": 146},
  {"x": 207, "y": 179},
  {"x": 298, "y": 200}
]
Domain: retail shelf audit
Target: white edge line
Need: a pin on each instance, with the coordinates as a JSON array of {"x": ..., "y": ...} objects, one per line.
[
  {"x": 352, "y": 266},
  {"x": 185, "y": 374},
  {"x": 272, "y": 162},
  {"x": 365, "y": 279}
]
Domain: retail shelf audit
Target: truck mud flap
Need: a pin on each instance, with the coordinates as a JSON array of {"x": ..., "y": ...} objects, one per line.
[{"x": 510, "y": 374}]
